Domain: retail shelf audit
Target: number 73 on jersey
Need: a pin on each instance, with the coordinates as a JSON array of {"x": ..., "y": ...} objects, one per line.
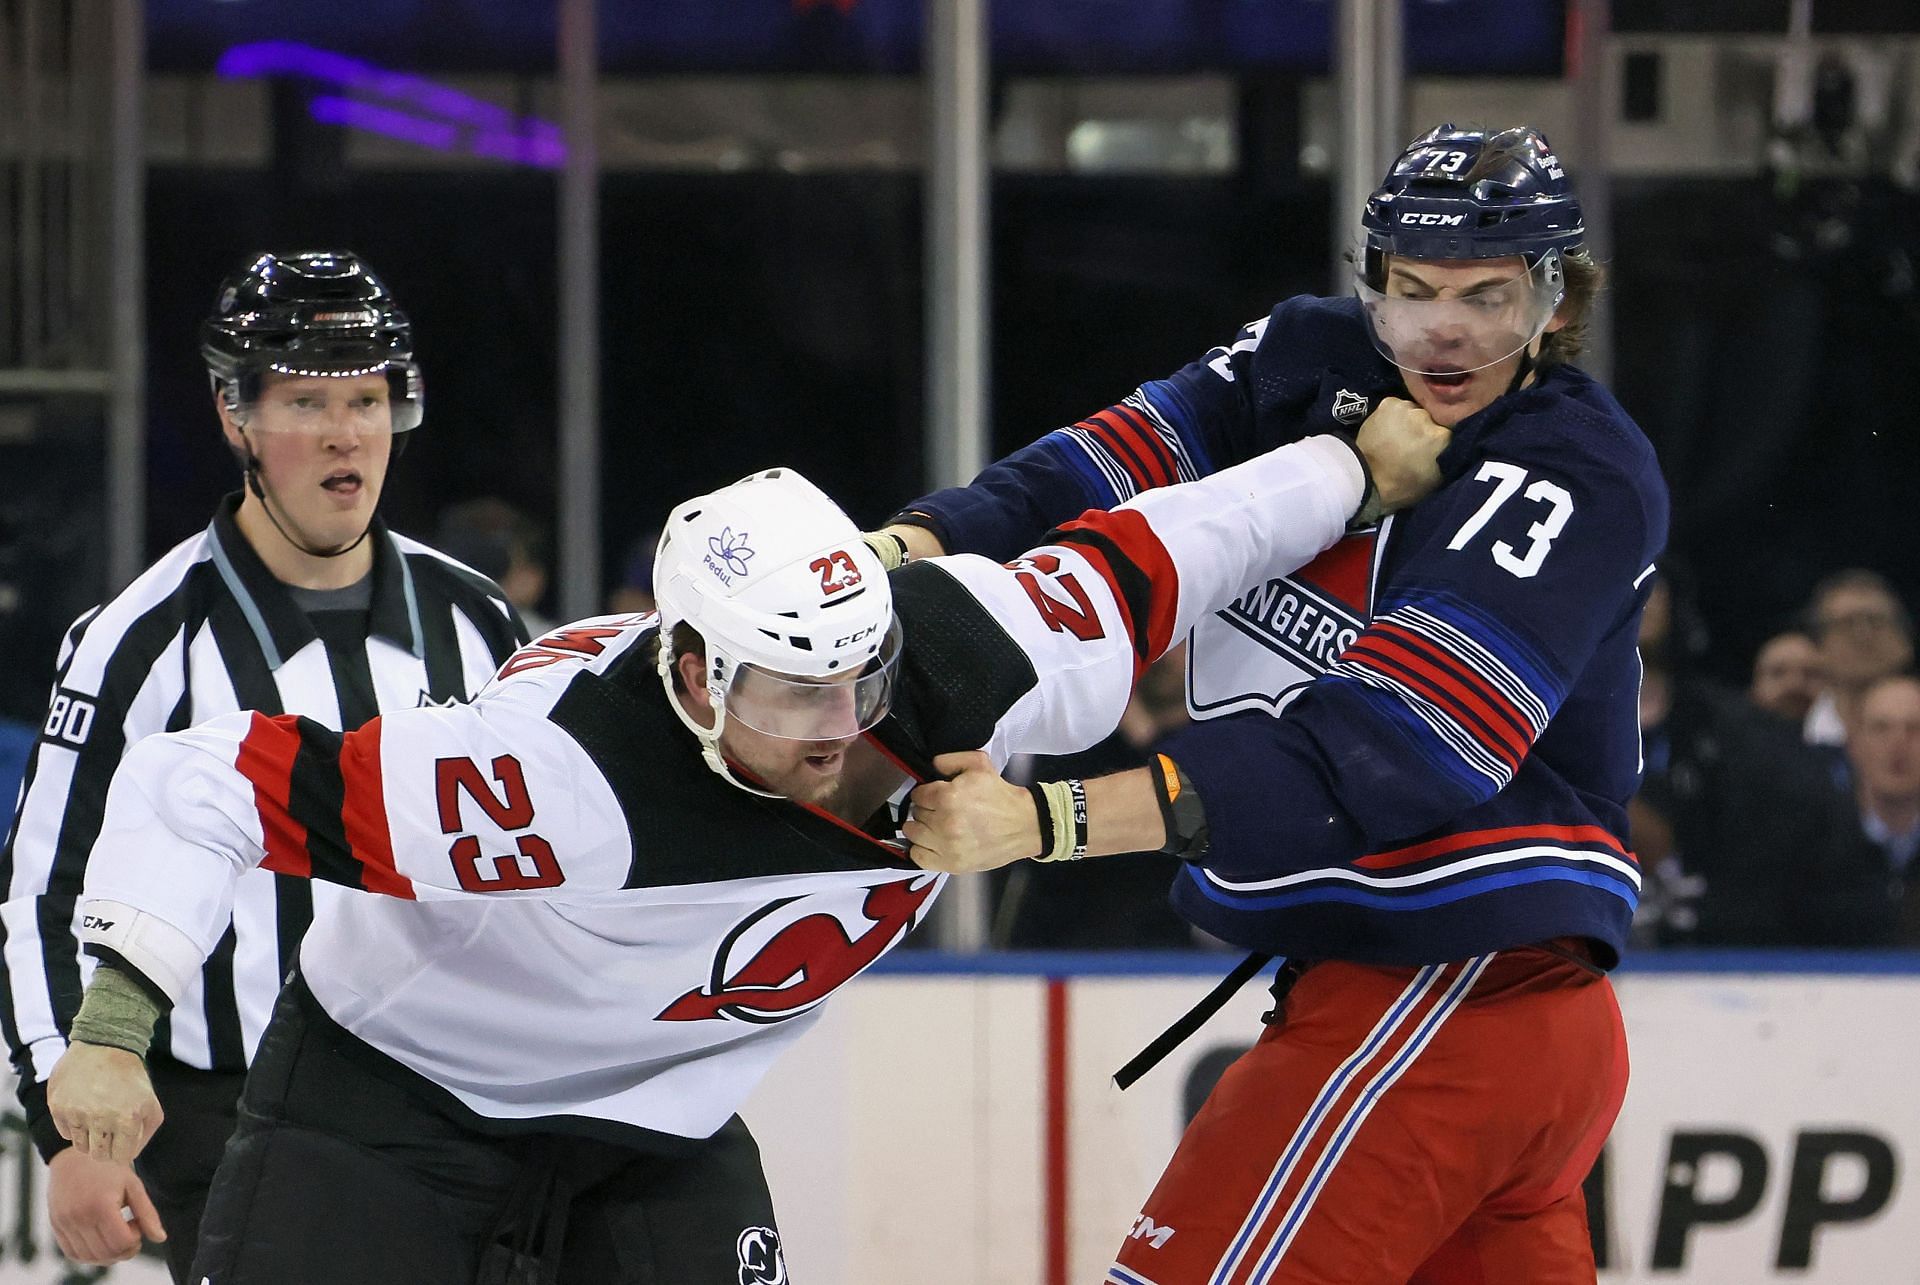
[{"x": 1508, "y": 481}]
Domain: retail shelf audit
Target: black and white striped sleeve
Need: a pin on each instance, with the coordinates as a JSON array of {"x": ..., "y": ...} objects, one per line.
[{"x": 121, "y": 676}]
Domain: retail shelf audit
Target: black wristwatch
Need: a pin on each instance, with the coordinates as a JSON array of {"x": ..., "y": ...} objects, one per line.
[{"x": 1181, "y": 809}]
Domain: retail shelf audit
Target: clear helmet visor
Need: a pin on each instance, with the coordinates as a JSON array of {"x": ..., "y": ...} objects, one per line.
[
  {"x": 797, "y": 708},
  {"x": 1457, "y": 332},
  {"x": 289, "y": 398}
]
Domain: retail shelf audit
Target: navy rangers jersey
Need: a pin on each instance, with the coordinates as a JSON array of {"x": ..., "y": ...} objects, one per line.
[
  {"x": 1447, "y": 706},
  {"x": 580, "y": 921}
]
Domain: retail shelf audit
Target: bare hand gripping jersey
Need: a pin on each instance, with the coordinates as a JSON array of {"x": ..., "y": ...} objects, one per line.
[{"x": 580, "y": 922}]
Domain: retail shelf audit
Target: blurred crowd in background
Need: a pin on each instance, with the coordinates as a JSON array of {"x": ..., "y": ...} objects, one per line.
[{"x": 1787, "y": 812}]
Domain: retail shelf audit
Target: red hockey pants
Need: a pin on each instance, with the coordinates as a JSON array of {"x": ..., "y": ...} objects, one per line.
[{"x": 1399, "y": 1126}]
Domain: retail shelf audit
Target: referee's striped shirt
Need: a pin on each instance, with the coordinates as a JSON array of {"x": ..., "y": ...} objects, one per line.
[{"x": 207, "y": 630}]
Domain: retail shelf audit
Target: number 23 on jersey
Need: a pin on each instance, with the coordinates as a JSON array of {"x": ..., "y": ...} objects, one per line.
[{"x": 511, "y": 810}]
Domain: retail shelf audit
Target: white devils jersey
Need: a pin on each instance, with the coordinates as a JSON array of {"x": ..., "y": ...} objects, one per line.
[
  {"x": 577, "y": 918},
  {"x": 1283, "y": 631}
]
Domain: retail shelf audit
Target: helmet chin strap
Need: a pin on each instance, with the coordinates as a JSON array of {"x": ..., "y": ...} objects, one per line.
[
  {"x": 1529, "y": 363},
  {"x": 250, "y": 462},
  {"x": 709, "y": 737},
  {"x": 1524, "y": 369}
]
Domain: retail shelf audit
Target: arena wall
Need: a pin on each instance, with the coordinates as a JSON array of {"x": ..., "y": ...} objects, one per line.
[{"x": 955, "y": 1124}]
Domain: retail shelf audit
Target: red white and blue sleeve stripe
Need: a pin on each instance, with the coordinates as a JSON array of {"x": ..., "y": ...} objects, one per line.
[
  {"x": 1472, "y": 695},
  {"x": 1158, "y": 436},
  {"x": 1124, "y": 450},
  {"x": 1432, "y": 711}
]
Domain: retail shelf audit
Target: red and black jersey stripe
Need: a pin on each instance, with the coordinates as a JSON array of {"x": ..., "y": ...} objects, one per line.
[
  {"x": 299, "y": 772},
  {"x": 1122, "y": 547}
]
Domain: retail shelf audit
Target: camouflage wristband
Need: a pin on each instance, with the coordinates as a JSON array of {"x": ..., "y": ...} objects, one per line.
[{"x": 117, "y": 1012}]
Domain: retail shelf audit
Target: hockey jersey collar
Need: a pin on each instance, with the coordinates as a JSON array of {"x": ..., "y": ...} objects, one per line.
[
  {"x": 280, "y": 627},
  {"x": 653, "y": 763},
  {"x": 1469, "y": 444}
]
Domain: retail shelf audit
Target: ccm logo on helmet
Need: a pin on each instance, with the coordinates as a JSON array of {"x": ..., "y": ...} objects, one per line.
[
  {"x": 851, "y": 639},
  {"x": 1433, "y": 220}
]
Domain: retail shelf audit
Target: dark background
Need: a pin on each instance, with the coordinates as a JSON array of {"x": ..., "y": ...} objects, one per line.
[
  {"x": 678, "y": 36},
  {"x": 1765, "y": 332},
  {"x": 764, "y": 318}
]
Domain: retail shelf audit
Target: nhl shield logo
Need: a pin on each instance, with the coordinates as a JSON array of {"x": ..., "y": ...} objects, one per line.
[{"x": 1349, "y": 407}]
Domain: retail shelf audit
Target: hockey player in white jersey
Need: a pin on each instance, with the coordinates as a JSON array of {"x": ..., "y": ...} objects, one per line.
[{"x": 523, "y": 1061}]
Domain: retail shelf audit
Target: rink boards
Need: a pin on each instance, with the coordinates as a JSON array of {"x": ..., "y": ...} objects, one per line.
[
  {"x": 964, "y": 1125},
  {"x": 954, "y": 1124}
]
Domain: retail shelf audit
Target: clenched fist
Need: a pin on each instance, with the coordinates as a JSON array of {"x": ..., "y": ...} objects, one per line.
[
  {"x": 973, "y": 821},
  {"x": 1402, "y": 445},
  {"x": 102, "y": 1101}
]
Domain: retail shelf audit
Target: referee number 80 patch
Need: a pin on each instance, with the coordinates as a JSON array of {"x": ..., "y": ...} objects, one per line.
[{"x": 69, "y": 720}]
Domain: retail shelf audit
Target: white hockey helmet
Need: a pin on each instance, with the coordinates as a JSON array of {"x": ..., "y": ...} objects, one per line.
[{"x": 795, "y": 608}]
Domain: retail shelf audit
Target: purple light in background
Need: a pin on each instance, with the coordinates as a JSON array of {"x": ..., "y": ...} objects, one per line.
[
  {"x": 542, "y": 153},
  {"x": 331, "y": 109},
  {"x": 463, "y": 124}
]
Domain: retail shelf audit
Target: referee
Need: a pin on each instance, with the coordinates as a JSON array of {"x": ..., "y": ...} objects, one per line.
[{"x": 296, "y": 599}]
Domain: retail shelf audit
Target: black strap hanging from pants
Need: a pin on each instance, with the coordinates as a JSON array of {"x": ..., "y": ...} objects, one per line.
[
  {"x": 1196, "y": 1017},
  {"x": 526, "y": 1246}
]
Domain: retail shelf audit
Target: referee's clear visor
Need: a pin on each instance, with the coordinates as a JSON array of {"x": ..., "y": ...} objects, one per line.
[
  {"x": 320, "y": 402},
  {"x": 796, "y": 707},
  {"x": 1455, "y": 331}
]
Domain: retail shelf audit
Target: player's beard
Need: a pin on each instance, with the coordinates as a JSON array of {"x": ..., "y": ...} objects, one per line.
[
  {"x": 810, "y": 785},
  {"x": 864, "y": 784},
  {"x": 801, "y": 771}
]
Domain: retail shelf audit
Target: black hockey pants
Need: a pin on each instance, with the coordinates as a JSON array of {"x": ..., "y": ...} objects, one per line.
[
  {"x": 177, "y": 1166},
  {"x": 338, "y": 1175}
]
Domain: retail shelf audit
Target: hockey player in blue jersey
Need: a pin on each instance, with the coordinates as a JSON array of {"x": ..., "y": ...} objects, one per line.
[{"x": 1410, "y": 761}]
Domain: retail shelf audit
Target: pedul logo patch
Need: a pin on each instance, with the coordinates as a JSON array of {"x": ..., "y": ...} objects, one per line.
[
  {"x": 761, "y": 1262},
  {"x": 731, "y": 549}
]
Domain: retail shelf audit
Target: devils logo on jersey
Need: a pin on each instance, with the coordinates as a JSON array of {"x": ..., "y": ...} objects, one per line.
[{"x": 778, "y": 962}]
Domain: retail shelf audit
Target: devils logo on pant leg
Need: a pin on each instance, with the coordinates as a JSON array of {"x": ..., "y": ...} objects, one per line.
[
  {"x": 761, "y": 1262},
  {"x": 789, "y": 955}
]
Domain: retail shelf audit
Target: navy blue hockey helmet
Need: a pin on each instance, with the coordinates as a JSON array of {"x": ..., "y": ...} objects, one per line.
[
  {"x": 1473, "y": 194},
  {"x": 312, "y": 312},
  {"x": 1465, "y": 194}
]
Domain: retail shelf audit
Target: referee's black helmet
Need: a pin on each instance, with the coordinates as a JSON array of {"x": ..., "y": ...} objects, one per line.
[{"x": 311, "y": 312}]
